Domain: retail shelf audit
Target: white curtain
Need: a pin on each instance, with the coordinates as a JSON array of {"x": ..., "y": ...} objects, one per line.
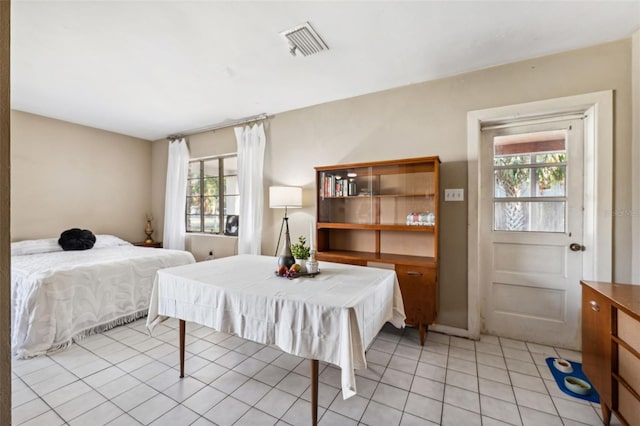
[
  {"x": 251, "y": 144},
  {"x": 175, "y": 195}
]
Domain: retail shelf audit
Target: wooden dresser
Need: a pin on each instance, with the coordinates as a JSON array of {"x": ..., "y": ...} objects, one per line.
[{"x": 611, "y": 347}]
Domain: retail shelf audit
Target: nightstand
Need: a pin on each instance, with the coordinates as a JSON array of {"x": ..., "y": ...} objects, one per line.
[{"x": 155, "y": 244}]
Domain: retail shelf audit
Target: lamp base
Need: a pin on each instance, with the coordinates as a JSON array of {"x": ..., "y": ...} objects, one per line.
[{"x": 286, "y": 258}]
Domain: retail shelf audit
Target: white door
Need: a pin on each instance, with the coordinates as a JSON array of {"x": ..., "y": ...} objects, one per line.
[{"x": 531, "y": 230}]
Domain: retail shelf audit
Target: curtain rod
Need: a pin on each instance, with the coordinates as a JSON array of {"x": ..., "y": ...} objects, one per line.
[{"x": 222, "y": 125}]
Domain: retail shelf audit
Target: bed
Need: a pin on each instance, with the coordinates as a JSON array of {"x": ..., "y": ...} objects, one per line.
[{"x": 60, "y": 296}]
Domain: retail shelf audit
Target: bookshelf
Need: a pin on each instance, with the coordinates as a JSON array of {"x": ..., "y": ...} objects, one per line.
[{"x": 385, "y": 213}]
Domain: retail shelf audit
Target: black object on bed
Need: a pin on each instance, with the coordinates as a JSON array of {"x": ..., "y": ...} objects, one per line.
[{"x": 77, "y": 239}]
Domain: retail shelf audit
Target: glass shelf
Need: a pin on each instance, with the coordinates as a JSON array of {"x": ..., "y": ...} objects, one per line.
[{"x": 358, "y": 202}]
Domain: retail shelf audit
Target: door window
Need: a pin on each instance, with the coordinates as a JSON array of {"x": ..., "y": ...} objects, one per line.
[{"x": 530, "y": 176}]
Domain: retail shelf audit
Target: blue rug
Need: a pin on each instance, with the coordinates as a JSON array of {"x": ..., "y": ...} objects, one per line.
[{"x": 577, "y": 372}]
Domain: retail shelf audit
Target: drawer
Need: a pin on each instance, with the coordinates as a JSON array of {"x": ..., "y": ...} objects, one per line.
[
  {"x": 419, "y": 293},
  {"x": 628, "y": 405},
  {"x": 629, "y": 368},
  {"x": 629, "y": 330},
  {"x": 416, "y": 274}
]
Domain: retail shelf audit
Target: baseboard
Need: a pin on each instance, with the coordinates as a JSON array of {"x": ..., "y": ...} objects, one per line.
[{"x": 452, "y": 331}]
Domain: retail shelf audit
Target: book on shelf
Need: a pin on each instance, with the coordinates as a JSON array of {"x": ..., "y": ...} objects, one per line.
[{"x": 333, "y": 186}]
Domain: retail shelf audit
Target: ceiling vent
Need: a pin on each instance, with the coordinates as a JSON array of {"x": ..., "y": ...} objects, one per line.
[{"x": 304, "y": 39}]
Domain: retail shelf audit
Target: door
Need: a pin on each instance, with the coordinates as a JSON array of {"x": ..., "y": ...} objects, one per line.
[{"x": 531, "y": 229}]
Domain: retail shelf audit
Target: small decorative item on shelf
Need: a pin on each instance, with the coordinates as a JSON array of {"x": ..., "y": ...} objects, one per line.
[
  {"x": 421, "y": 219},
  {"x": 300, "y": 252},
  {"x": 431, "y": 218},
  {"x": 353, "y": 190},
  {"x": 148, "y": 230}
]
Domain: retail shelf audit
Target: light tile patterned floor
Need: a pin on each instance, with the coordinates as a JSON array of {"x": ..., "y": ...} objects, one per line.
[{"x": 125, "y": 377}]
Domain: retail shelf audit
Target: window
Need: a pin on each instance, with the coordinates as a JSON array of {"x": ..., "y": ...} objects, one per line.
[
  {"x": 530, "y": 173},
  {"x": 212, "y": 193}
]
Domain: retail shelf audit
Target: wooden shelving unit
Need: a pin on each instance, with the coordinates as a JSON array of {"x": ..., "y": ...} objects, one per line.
[{"x": 385, "y": 212}]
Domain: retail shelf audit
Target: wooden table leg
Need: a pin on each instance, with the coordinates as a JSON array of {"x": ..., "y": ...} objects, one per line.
[
  {"x": 422, "y": 328},
  {"x": 314, "y": 392},
  {"x": 182, "y": 331},
  {"x": 606, "y": 413}
]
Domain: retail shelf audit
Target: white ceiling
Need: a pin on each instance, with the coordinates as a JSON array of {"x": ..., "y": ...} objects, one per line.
[{"x": 152, "y": 68}]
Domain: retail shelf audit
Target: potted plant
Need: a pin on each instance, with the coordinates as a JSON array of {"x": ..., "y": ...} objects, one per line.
[{"x": 301, "y": 252}]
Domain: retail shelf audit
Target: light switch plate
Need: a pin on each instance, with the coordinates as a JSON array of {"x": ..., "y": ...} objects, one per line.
[{"x": 456, "y": 194}]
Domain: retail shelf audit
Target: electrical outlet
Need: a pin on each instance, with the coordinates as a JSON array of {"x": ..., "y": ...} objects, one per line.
[{"x": 454, "y": 194}]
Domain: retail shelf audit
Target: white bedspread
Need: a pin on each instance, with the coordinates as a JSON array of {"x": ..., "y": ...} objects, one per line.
[
  {"x": 332, "y": 317},
  {"x": 62, "y": 295}
]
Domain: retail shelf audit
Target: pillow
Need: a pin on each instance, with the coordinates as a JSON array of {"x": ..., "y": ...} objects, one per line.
[
  {"x": 77, "y": 239},
  {"x": 44, "y": 245},
  {"x": 103, "y": 241}
]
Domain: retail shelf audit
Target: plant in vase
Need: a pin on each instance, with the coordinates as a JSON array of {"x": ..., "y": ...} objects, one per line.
[{"x": 300, "y": 251}]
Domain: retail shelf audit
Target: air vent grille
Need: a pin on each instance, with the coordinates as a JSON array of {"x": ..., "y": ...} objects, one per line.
[{"x": 304, "y": 39}]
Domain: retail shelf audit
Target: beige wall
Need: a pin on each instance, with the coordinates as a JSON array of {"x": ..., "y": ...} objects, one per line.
[
  {"x": 5, "y": 263},
  {"x": 65, "y": 175},
  {"x": 430, "y": 119},
  {"x": 635, "y": 160}
]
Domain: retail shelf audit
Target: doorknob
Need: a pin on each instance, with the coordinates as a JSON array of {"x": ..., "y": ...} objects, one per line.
[{"x": 576, "y": 247}]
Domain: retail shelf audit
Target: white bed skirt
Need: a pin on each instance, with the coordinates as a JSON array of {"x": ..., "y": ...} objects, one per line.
[{"x": 63, "y": 296}]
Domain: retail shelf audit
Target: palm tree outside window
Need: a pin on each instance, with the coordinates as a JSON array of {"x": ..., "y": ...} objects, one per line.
[{"x": 530, "y": 172}]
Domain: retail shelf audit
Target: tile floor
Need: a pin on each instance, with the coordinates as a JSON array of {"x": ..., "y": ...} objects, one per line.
[{"x": 125, "y": 377}]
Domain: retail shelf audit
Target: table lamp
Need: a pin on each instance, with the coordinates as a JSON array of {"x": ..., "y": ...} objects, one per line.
[{"x": 287, "y": 197}]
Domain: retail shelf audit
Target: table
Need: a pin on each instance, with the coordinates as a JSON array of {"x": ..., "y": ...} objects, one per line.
[
  {"x": 155, "y": 244},
  {"x": 332, "y": 317}
]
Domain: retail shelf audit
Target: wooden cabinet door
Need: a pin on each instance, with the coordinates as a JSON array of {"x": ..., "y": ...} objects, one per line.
[
  {"x": 596, "y": 341},
  {"x": 418, "y": 287}
]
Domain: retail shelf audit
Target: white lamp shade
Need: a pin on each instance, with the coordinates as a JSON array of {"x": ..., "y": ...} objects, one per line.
[{"x": 285, "y": 197}]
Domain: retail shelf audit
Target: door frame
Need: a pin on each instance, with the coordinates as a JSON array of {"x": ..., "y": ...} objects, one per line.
[{"x": 598, "y": 183}]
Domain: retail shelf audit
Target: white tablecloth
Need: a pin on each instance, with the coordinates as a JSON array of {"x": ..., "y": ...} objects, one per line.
[{"x": 332, "y": 317}]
